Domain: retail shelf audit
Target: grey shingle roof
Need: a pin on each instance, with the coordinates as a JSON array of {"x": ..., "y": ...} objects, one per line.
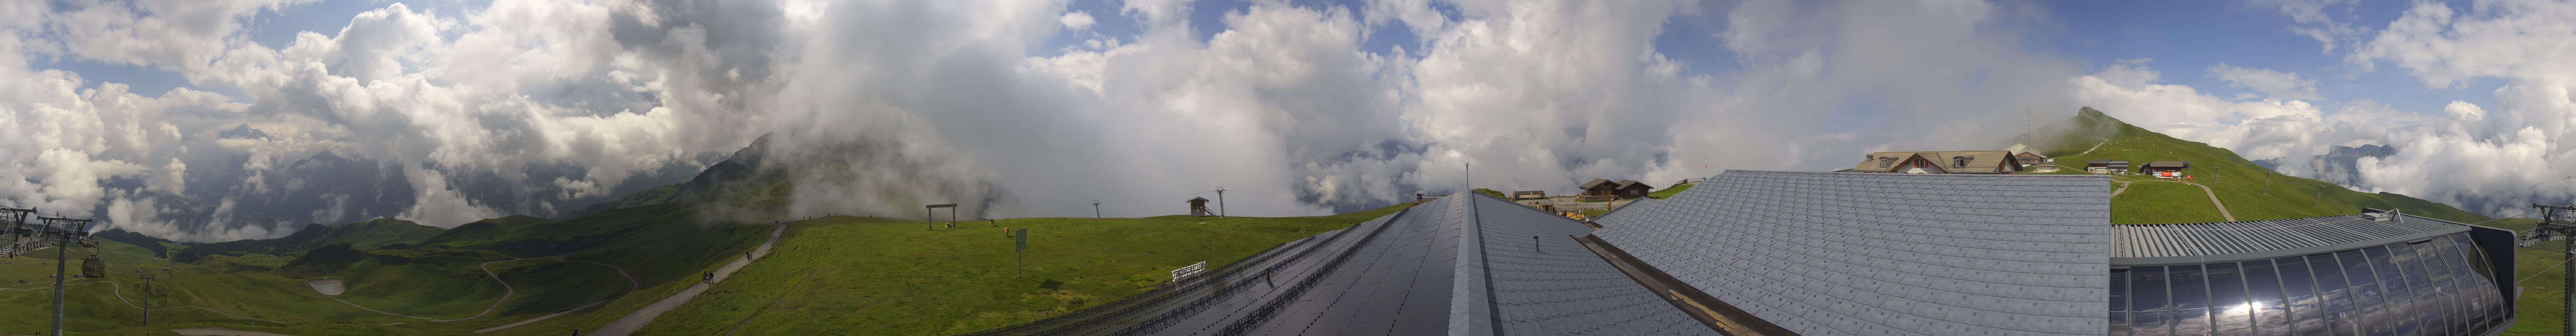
[
  {"x": 1887, "y": 254},
  {"x": 1552, "y": 285},
  {"x": 1982, "y": 162},
  {"x": 2164, "y": 244},
  {"x": 1458, "y": 265}
]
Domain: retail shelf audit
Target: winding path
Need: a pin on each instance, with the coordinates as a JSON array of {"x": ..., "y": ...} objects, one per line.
[
  {"x": 632, "y": 286},
  {"x": 507, "y": 291},
  {"x": 635, "y": 321},
  {"x": 2095, "y": 146},
  {"x": 2204, "y": 189}
]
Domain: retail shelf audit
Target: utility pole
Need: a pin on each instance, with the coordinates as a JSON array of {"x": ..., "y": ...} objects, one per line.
[
  {"x": 1471, "y": 177},
  {"x": 1220, "y": 202},
  {"x": 1095, "y": 209}
]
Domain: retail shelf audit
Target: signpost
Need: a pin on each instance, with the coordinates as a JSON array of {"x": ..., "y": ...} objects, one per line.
[
  {"x": 927, "y": 222},
  {"x": 1019, "y": 244}
]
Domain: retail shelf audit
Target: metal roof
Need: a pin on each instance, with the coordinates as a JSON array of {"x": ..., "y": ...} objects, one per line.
[
  {"x": 2174, "y": 164},
  {"x": 1982, "y": 161},
  {"x": 1887, "y": 254},
  {"x": 1402, "y": 275},
  {"x": 2192, "y": 243}
]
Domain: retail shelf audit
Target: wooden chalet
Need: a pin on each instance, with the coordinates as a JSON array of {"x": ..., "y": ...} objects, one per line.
[
  {"x": 1600, "y": 189},
  {"x": 1528, "y": 194},
  {"x": 2167, "y": 168},
  {"x": 1940, "y": 162},
  {"x": 2029, "y": 157}
]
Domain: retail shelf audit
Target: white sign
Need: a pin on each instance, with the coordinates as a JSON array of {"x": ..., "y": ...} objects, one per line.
[{"x": 1193, "y": 269}]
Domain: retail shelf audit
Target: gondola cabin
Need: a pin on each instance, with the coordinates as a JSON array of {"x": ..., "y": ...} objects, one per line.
[{"x": 93, "y": 267}]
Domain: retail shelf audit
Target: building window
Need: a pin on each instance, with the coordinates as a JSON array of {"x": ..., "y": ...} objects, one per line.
[
  {"x": 1920, "y": 163},
  {"x": 1961, "y": 162}
]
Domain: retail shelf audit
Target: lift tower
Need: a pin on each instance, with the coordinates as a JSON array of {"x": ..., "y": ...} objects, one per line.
[
  {"x": 2556, "y": 224},
  {"x": 62, "y": 233}
]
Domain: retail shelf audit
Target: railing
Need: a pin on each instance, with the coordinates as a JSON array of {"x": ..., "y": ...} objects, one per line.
[{"x": 1591, "y": 198}]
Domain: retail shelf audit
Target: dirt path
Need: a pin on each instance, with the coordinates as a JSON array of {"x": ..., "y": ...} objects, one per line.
[
  {"x": 506, "y": 292},
  {"x": 2204, "y": 189},
  {"x": 631, "y": 287},
  {"x": 635, "y": 321},
  {"x": 2213, "y": 200},
  {"x": 2095, "y": 146},
  {"x": 539, "y": 318}
]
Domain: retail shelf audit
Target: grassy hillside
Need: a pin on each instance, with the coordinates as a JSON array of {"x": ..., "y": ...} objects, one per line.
[
  {"x": 2159, "y": 202},
  {"x": 873, "y": 276},
  {"x": 658, "y": 195},
  {"x": 2249, "y": 196},
  {"x": 363, "y": 235},
  {"x": 2250, "y": 192},
  {"x": 1670, "y": 191}
]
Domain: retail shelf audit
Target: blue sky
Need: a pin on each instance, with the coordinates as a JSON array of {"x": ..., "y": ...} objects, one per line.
[{"x": 2184, "y": 37}]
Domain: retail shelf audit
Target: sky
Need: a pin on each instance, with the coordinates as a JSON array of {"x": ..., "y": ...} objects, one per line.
[{"x": 212, "y": 120}]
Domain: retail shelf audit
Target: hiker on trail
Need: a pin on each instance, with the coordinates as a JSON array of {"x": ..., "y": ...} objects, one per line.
[{"x": 746, "y": 256}]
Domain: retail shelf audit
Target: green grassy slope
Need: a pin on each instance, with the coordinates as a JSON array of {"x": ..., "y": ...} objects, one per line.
[
  {"x": 368, "y": 234},
  {"x": 869, "y": 276},
  {"x": 2249, "y": 196},
  {"x": 658, "y": 195},
  {"x": 2160, "y": 202},
  {"x": 661, "y": 244},
  {"x": 1669, "y": 191},
  {"x": 2251, "y": 192}
]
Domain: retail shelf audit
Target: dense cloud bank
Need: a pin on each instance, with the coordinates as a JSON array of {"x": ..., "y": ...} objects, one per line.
[{"x": 1016, "y": 108}]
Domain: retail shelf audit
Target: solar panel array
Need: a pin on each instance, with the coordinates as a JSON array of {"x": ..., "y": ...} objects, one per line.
[{"x": 1887, "y": 254}]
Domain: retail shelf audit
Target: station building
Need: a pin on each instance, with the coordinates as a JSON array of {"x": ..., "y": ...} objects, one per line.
[{"x": 1810, "y": 253}]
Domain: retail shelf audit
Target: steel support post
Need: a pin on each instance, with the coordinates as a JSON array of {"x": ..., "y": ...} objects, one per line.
[{"x": 61, "y": 248}]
